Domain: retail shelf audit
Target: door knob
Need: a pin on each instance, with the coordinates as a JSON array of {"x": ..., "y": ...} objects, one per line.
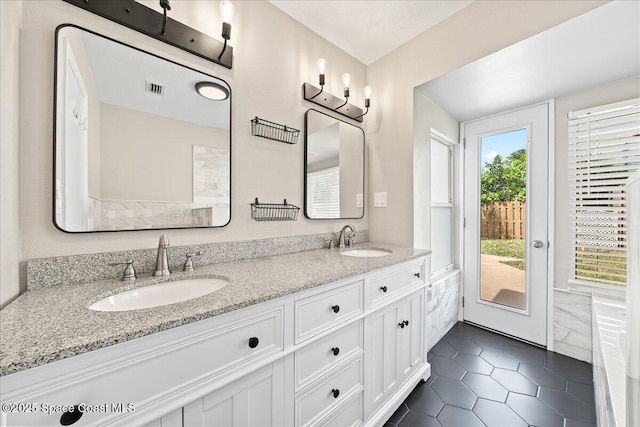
[{"x": 537, "y": 244}]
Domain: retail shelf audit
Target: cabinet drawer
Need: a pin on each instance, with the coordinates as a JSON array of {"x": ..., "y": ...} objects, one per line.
[
  {"x": 395, "y": 280},
  {"x": 318, "y": 358},
  {"x": 321, "y": 400},
  {"x": 350, "y": 415},
  {"x": 324, "y": 310},
  {"x": 148, "y": 379}
]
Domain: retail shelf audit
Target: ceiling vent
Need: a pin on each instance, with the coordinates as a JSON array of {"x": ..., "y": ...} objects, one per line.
[{"x": 154, "y": 88}]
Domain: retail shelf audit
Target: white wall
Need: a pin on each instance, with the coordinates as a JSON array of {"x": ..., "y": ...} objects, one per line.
[
  {"x": 273, "y": 56},
  {"x": 427, "y": 116},
  {"x": 606, "y": 94},
  {"x": 477, "y": 30},
  {"x": 147, "y": 157},
  {"x": 10, "y": 244}
]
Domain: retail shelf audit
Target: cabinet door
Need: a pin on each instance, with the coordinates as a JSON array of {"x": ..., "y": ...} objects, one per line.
[
  {"x": 381, "y": 349},
  {"x": 254, "y": 400},
  {"x": 411, "y": 351},
  {"x": 172, "y": 419}
]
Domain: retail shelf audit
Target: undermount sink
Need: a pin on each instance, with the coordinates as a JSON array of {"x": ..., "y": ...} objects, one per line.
[
  {"x": 159, "y": 294},
  {"x": 366, "y": 253}
]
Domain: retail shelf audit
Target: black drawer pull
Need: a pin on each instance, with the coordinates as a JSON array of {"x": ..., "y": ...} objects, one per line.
[
  {"x": 335, "y": 393},
  {"x": 335, "y": 351},
  {"x": 383, "y": 289},
  {"x": 335, "y": 308},
  {"x": 406, "y": 323},
  {"x": 253, "y": 342},
  {"x": 417, "y": 275},
  {"x": 71, "y": 417},
  {"x": 401, "y": 324}
]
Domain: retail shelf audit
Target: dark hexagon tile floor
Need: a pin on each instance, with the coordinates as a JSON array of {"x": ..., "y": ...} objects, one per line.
[{"x": 479, "y": 378}]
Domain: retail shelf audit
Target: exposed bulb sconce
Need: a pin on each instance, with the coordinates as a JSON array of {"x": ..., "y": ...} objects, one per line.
[
  {"x": 322, "y": 66},
  {"x": 368, "y": 90},
  {"x": 331, "y": 102},
  {"x": 346, "y": 82},
  {"x": 213, "y": 91},
  {"x": 226, "y": 10},
  {"x": 143, "y": 19}
]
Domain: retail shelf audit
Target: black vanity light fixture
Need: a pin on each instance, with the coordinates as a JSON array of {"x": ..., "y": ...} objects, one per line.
[
  {"x": 213, "y": 91},
  {"x": 140, "y": 18},
  {"x": 334, "y": 103}
]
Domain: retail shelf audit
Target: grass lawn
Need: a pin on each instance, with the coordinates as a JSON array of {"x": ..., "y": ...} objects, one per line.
[{"x": 509, "y": 248}]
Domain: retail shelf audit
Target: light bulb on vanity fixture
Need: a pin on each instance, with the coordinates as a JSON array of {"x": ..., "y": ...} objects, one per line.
[
  {"x": 226, "y": 10},
  {"x": 346, "y": 82},
  {"x": 368, "y": 90},
  {"x": 322, "y": 66}
]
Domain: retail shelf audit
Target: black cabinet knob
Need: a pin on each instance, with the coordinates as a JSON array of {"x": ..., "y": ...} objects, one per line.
[
  {"x": 401, "y": 324},
  {"x": 335, "y": 308},
  {"x": 383, "y": 289},
  {"x": 253, "y": 342},
  {"x": 335, "y": 351},
  {"x": 335, "y": 393},
  {"x": 417, "y": 275},
  {"x": 406, "y": 323},
  {"x": 71, "y": 417}
]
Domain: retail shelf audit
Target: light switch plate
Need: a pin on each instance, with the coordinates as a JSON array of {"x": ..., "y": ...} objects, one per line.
[
  {"x": 359, "y": 200},
  {"x": 380, "y": 200}
]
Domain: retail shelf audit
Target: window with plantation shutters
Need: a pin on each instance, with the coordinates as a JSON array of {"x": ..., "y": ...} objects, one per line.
[
  {"x": 604, "y": 150},
  {"x": 323, "y": 193}
]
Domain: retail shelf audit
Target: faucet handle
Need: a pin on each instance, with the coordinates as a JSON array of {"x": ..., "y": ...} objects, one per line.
[
  {"x": 331, "y": 243},
  {"x": 188, "y": 264},
  {"x": 129, "y": 274}
]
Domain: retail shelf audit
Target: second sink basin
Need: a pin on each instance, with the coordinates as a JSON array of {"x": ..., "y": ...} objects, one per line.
[
  {"x": 366, "y": 253},
  {"x": 159, "y": 294}
]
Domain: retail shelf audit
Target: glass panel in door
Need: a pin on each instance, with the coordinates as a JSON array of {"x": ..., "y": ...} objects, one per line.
[{"x": 503, "y": 190}]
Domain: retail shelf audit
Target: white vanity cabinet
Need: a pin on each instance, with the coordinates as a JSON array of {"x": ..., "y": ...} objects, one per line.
[
  {"x": 342, "y": 354},
  {"x": 394, "y": 345},
  {"x": 255, "y": 400}
]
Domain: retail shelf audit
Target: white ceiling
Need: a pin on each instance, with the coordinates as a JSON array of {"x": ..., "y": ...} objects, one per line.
[
  {"x": 600, "y": 46},
  {"x": 120, "y": 72},
  {"x": 368, "y": 30}
]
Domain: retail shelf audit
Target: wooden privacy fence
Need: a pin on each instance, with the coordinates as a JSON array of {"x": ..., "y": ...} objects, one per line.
[{"x": 503, "y": 220}]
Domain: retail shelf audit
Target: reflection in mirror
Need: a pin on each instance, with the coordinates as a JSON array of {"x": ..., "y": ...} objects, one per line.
[
  {"x": 334, "y": 169},
  {"x": 136, "y": 147}
]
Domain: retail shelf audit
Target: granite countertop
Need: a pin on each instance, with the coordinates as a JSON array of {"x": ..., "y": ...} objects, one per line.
[{"x": 49, "y": 324}]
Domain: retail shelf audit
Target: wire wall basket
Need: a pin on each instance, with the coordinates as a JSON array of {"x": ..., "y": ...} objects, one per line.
[
  {"x": 274, "y": 131},
  {"x": 274, "y": 211}
]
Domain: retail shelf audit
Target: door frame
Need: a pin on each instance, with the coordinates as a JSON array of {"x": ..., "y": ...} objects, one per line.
[{"x": 550, "y": 212}]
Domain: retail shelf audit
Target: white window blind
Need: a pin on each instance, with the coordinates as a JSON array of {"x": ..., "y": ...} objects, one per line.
[
  {"x": 604, "y": 150},
  {"x": 323, "y": 193}
]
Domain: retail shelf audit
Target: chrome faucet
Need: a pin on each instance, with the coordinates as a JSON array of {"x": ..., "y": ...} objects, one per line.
[
  {"x": 162, "y": 260},
  {"x": 341, "y": 239}
]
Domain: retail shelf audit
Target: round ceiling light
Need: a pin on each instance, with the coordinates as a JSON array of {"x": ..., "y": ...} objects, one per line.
[{"x": 211, "y": 90}]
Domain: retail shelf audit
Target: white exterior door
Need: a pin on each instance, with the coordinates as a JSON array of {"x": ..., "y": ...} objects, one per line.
[{"x": 506, "y": 213}]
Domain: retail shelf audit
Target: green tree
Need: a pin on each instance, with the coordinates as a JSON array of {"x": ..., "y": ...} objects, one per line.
[{"x": 505, "y": 180}]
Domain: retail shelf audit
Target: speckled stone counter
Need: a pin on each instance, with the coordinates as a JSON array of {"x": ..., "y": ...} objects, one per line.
[{"x": 49, "y": 324}]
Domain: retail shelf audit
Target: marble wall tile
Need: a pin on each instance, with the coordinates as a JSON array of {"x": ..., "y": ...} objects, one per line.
[
  {"x": 442, "y": 306},
  {"x": 572, "y": 324}
]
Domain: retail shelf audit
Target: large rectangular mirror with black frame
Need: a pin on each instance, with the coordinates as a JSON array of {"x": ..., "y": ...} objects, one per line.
[
  {"x": 141, "y": 142},
  {"x": 334, "y": 168}
]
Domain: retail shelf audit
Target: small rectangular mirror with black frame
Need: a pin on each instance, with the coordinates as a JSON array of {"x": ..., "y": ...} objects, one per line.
[
  {"x": 334, "y": 153},
  {"x": 140, "y": 142}
]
